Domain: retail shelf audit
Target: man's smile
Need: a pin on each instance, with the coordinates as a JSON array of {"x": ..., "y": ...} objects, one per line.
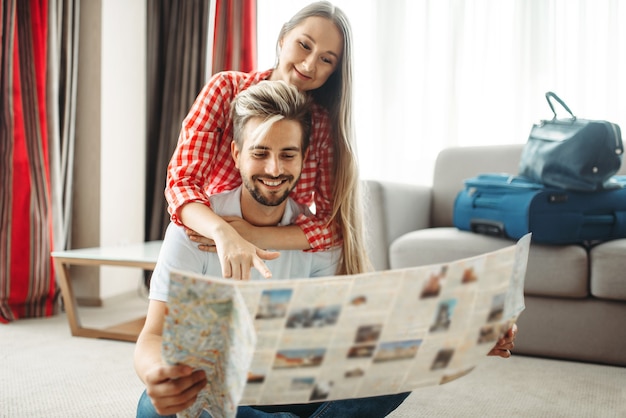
[{"x": 272, "y": 182}]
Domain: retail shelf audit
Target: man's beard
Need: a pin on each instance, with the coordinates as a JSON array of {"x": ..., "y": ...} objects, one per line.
[{"x": 275, "y": 199}]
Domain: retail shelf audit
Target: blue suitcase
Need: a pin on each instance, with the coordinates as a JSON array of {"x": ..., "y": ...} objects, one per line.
[{"x": 511, "y": 206}]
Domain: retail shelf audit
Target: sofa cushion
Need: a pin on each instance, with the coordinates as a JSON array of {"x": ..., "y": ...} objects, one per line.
[
  {"x": 608, "y": 270},
  {"x": 559, "y": 271},
  {"x": 440, "y": 245}
]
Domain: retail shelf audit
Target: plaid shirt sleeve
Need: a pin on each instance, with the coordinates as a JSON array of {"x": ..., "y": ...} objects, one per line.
[{"x": 201, "y": 164}]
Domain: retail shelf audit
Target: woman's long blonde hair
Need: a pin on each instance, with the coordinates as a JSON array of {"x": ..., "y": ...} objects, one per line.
[{"x": 336, "y": 96}]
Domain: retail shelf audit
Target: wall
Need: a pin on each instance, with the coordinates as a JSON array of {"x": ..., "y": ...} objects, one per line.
[{"x": 110, "y": 142}]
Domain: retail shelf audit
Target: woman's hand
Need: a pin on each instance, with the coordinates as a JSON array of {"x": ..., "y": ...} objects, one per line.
[
  {"x": 505, "y": 344},
  {"x": 290, "y": 237},
  {"x": 174, "y": 388},
  {"x": 204, "y": 243},
  {"x": 245, "y": 229},
  {"x": 238, "y": 256}
]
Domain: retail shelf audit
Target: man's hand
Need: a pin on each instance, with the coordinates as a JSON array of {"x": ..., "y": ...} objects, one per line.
[
  {"x": 174, "y": 388},
  {"x": 505, "y": 344}
]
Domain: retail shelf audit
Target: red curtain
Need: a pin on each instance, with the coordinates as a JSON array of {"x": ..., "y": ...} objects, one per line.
[
  {"x": 27, "y": 285},
  {"x": 234, "y": 41}
]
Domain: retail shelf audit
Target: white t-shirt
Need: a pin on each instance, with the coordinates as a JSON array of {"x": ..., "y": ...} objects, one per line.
[{"x": 180, "y": 253}]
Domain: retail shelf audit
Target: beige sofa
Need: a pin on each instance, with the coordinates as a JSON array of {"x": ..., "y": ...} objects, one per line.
[{"x": 575, "y": 297}]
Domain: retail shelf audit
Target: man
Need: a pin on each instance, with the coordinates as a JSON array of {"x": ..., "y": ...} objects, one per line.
[
  {"x": 271, "y": 130},
  {"x": 271, "y": 123}
]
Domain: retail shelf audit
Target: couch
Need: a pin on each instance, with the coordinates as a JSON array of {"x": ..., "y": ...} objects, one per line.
[{"x": 575, "y": 296}]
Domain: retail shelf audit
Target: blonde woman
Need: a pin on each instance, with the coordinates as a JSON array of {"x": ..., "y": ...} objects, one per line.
[{"x": 314, "y": 54}]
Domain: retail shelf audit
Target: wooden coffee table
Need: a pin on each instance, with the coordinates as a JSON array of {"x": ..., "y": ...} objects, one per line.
[{"x": 142, "y": 255}]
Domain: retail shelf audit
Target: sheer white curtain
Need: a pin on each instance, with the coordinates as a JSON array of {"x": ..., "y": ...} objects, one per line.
[{"x": 438, "y": 73}]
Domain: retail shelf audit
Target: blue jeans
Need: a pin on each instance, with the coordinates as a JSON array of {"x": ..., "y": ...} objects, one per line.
[{"x": 374, "y": 407}]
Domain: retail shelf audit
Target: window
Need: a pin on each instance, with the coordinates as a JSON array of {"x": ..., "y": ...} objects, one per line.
[{"x": 431, "y": 74}]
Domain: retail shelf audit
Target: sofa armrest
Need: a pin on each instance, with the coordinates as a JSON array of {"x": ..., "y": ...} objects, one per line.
[
  {"x": 407, "y": 207},
  {"x": 391, "y": 210}
]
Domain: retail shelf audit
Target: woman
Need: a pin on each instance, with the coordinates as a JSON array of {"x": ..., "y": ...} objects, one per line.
[{"x": 314, "y": 53}]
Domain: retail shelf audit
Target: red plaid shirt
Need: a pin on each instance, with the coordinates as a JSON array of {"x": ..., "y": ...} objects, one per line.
[{"x": 202, "y": 164}]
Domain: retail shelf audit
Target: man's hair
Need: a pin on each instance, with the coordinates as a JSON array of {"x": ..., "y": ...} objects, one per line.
[{"x": 271, "y": 101}]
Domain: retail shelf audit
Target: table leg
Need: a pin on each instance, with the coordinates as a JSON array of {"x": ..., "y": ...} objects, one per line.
[
  {"x": 67, "y": 293},
  {"x": 128, "y": 331}
]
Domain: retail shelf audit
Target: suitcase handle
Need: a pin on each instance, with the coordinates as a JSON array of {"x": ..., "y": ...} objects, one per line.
[
  {"x": 550, "y": 95},
  {"x": 487, "y": 202},
  {"x": 487, "y": 227}
]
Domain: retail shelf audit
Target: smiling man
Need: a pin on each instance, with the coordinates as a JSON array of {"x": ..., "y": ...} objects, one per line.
[{"x": 271, "y": 130}]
